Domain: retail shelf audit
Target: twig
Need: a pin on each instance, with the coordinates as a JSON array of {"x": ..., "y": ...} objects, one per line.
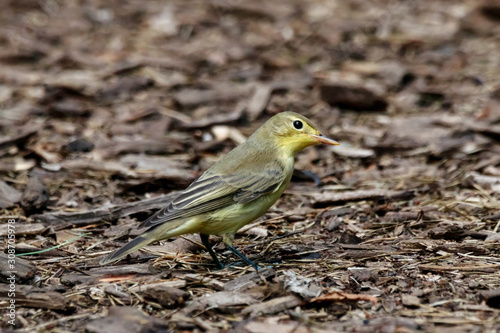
[{"x": 475, "y": 268}]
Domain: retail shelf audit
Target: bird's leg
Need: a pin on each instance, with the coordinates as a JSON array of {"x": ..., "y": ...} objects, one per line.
[
  {"x": 204, "y": 240},
  {"x": 228, "y": 240},
  {"x": 242, "y": 256}
]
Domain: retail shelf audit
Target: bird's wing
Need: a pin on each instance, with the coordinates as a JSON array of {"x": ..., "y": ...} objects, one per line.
[{"x": 211, "y": 192}]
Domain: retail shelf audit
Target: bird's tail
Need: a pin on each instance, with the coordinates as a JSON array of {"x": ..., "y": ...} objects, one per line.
[
  {"x": 135, "y": 244},
  {"x": 158, "y": 232}
]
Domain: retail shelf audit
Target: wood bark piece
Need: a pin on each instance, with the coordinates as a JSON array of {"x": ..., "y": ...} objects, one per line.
[
  {"x": 492, "y": 297},
  {"x": 338, "y": 296},
  {"x": 347, "y": 150},
  {"x": 114, "y": 290},
  {"x": 138, "y": 60},
  {"x": 85, "y": 165},
  {"x": 22, "y": 269},
  {"x": 352, "y": 96},
  {"x": 305, "y": 287},
  {"x": 35, "y": 196},
  {"x": 259, "y": 327},
  {"x": 216, "y": 119},
  {"x": 19, "y": 139},
  {"x": 403, "y": 216},
  {"x": 262, "y": 93},
  {"x": 143, "y": 287},
  {"x": 328, "y": 198},
  {"x": 455, "y": 230},
  {"x": 410, "y": 301},
  {"x": 256, "y": 11},
  {"x": 125, "y": 319},
  {"x": 418, "y": 132},
  {"x": 23, "y": 229},
  {"x": 62, "y": 220},
  {"x": 107, "y": 274},
  {"x": 258, "y": 102},
  {"x": 159, "y": 167},
  {"x": 206, "y": 281},
  {"x": 482, "y": 20},
  {"x": 273, "y": 306},
  {"x": 68, "y": 107},
  {"x": 485, "y": 181},
  {"x": 83, "y": 82},
  {"x": 145, "y": 146},
  {"x": 222, "y": 299},
  {"x": 34, "y": 297},
  {"x": 473, "y": 268},
  {"x": 16, "y": 164},
  {"x": 9, "y": 196},
  {"x": 167, "y": 297},
  {"x": 249, "y": 280},
  {"x": 125, "y": 86},
  {"x": 192, "y": 97}
]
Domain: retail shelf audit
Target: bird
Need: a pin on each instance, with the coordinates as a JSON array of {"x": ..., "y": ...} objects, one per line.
[{"x": 239, "y": 188}]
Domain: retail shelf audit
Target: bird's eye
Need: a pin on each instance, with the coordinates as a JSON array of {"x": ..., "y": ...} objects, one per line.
[{"x": 298, "y": 124}]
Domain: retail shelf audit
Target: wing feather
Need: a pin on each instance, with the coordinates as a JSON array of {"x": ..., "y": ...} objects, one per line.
[{"x": 211, "y": 192}]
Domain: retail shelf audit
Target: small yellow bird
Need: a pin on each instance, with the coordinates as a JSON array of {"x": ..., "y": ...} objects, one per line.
[{"x": 236, "y": 190}]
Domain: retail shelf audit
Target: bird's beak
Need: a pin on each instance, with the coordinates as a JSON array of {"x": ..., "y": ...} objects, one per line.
[{"x": 323, "y": 139}]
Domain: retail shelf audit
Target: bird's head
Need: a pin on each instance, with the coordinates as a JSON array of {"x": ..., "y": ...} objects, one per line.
[{"x": 292, "y": 132}]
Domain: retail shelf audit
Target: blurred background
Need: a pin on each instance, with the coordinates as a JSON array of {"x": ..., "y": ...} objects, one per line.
[
  {"x": 85, "y": 82},
  {"x": 104, "y": 103}
]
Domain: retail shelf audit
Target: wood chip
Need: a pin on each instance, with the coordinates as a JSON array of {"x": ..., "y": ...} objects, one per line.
[
  {"x": 23, "y": 229},
  {"x": 259, "y": 327},
  {"x": 273, "y": 306},
  {"x": 352, "y": 96},
  {"x": 216, "y": 119},
  {"x": 125, "y": 319},
  {"x": 338, "y": 296},
  {"x": 475, "y": 268},
  {"x": 19, "y": 139},
  {"x": 491, "y": 297},
  {"x": 33, "y": 297},
  {"x": 22, "y": 269},
  {"x": 62, "y": 220},
  {"x": 211, "y": 283},
  {"x": 167, "y": 297},
  {"x": 329, "y": 198},
  {"x": 35, "y": 196},
  {"x": 143, "y": 287},
  {"x": 194, "y": 97},
  {"x": 221, "y": 299},
  {"x": 8, "y": 195},
  {"x": 107, "y": 274},
  {"x": 410, "y": 301},
  {"x": 249, "y": 280},
  {"x": 16, "y": 164},
  {"x": 258, "y": 101}
]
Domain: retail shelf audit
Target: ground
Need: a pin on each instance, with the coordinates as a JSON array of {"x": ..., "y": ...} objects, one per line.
[{"x": 107, "y": 108}]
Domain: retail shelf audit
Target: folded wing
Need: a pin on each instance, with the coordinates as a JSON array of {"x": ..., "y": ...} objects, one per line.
[{"x": 211, "y": 192}]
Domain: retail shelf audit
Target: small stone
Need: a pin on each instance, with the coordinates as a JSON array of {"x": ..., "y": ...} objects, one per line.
[
  {"x": 473, "y": 284},
  {"x": 410, "y": 301},
  {"x": 80, "y": 145}
]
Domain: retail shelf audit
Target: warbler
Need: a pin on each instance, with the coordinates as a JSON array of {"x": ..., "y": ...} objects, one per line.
[{"x": 236, "y": 190}]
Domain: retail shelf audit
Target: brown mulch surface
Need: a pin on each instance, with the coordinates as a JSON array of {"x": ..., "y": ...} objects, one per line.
[{"x": 109, "y": 107}]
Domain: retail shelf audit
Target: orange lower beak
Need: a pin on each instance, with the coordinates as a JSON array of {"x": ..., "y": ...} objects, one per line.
[{"x": 323, "y": 139}]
